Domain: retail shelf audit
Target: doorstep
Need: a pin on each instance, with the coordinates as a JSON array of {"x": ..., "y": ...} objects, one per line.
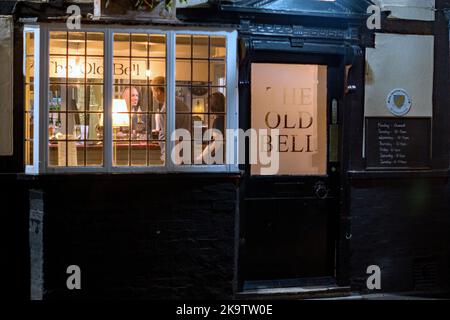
[{"x": 293, "y": 289}]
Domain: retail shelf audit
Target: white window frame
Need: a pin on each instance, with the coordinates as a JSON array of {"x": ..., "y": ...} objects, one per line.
[{"x": 41, "y": 48}]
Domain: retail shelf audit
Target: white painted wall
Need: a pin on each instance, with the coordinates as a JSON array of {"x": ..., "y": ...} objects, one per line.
[
  {"x": 400, "y": 61},
  {"x": 409, "y": 9}
]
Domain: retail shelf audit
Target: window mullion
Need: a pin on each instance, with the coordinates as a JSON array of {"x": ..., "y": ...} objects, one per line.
[
  {"x": 170, "y": 98},
  {"x": 42, "y": 79},
  {"x": 107, "y": 97},
  {"x": 232, "y": 112}
]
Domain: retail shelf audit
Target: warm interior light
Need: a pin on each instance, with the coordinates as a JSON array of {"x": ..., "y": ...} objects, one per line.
[
  {"x": 75, "y": 69},
  {"x": 120, "y": 116}
]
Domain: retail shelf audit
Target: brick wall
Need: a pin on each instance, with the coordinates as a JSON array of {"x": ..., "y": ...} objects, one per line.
[
  {"x": 140, "y": 239},
  {"x": 403, "y": 226}
]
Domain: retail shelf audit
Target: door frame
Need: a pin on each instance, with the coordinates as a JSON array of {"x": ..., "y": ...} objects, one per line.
[{"x": 336, "y": 77}]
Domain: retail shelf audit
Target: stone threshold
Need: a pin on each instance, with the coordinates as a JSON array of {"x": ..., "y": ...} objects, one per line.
[{"x": 295, "y": 293}]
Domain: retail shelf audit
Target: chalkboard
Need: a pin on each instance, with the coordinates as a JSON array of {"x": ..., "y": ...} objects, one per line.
[{"x": 398, "y": 143}]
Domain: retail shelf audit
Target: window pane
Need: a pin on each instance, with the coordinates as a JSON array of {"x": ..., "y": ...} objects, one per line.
[
  {"x": 139, "y": 154},
  {"x": 121, "y": 153},
  {"x": 157, "y": 68},
  {"x": 94, "y": 153},
  {"x": 200, "y": 73},
  {"x": 94, "y": 69},
  {"x": 154, "y": 153},
  {"x": 183, "y": 121},
  {"x": 77, "y": 43},
  {"x": 76, "y": 68},
  {"x": 28, "y": 152},
  {"x": 122, "y": 70},
  {"x": 183, "y": 94},
  {"x": 218, "y": 73},
  {"x": 58, "y": 42},
  {"x": 218, "y": 122},
  {"x": 122, "y": 44},
  {"x": 218, "y": 48},
  {"x": 201, "y": 82},
  {"x": 300, "y": 116},
  {"x": 94, "y": 126},
  {"x": 201, "y": 48},
  {"x": 80, "y": 147},
  {"x": 158, "y": 46},
  {"x": 57, "y": 97},
  {"x": 29, "y": 97},
  {"x": 217, "y": 100},
  {"x": 76, "y": 126},
  {"x": 94, "y": 98},
  {"x": 139, "y": 67},
  {"x": 139, "y": 45},
  {"x": 57, "y": 69},
  {"x": 75, "y": 100},
  {"x": 95, "y": 43},
  {"x": 139, "y": 96},
  {"x": 64, "y": 153},
  {"x": 183, "y": 70},
  {"x": 29, "y": 42},
  {"x": 29, "y": 126},
  {"x": 183, "y": 46},
  {"x": 29, "y": 69}
]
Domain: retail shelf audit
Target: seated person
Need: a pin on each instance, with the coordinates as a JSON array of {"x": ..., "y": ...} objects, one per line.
[
  {"x": 138, "y": 123},
  {"x": 217, "y": 105},
  {"x": 182, "y": 117}
]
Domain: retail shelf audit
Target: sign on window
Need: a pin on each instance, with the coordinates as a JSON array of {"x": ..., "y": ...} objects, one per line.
[{"x": 292, "y": 99}]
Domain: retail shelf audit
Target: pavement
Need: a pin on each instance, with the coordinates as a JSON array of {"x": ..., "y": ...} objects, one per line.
[{"x": 394, "y": 296}]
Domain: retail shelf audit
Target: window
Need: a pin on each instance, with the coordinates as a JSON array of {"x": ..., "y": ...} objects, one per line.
[
  {"x": 139, "y": 61},
  {"x": 297, "y": 107},
  {"x": 29, "y": 97},
  {"x": 75, "y": 99},
  {"x": 113, "y": 99}
]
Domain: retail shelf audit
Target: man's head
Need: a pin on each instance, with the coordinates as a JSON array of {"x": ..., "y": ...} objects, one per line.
[
  {"x": 217, "y": 102},
  {"x": 158, "y": 89},
  {"x": 131, "y": 96}
]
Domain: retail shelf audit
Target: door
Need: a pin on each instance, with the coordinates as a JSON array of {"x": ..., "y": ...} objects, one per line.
[{"x": 289, "y": 216}]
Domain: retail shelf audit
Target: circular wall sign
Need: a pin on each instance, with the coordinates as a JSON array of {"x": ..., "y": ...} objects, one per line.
[{"x": 398, "y": 102}]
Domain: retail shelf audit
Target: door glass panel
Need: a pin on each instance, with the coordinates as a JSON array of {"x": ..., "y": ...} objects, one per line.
[{"x": 293, "y": 99}]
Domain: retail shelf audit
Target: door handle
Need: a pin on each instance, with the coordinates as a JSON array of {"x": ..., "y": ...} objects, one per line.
[{"x": 321, "y": 190}]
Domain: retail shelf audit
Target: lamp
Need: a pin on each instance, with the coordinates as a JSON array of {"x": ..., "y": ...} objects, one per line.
[
  {"x": 120, "y": 118},
  {"x": 120, "y": 113}
]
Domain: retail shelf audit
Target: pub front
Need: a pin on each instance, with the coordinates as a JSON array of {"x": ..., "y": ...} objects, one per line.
[{"x": 354, "y": 179}]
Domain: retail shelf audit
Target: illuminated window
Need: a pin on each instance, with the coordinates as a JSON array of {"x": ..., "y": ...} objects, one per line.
[
  {"x": 138, "y": 60},
  {"x": 75, "y": 99},
  {"x": 115, "y": 97},
  {"x": 296, "y": 106},
  {"x": 201, "y": 91},
  {"x": 29, "y": 97}
]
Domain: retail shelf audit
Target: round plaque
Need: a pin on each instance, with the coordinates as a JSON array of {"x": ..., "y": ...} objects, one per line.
[{"x": 398, "y": 102}]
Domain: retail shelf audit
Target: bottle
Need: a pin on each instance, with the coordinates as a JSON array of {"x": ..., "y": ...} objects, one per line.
[
  {"x": 58, "y": 104},
  {"x": 51, "y": 128},
  {"x": 58, "y": 123}
]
